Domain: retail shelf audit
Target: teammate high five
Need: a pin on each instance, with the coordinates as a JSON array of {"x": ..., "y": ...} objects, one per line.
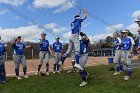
[{"x": 74, "y": 39}]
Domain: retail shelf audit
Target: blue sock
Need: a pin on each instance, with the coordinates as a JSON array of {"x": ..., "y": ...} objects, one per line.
[
  {"x": 83, "y": 75},
  {"x": 77, "y": 58},
  {"x": 129, "y": 73},
  {"x": 117, "y": 67},
  {"x": 17, "y": 71},
  {"x": 57, "y": 67},
  {"x": 24, "y": 70},
  {"x": 2, "y": 73},
  {"x": 54, "y": 68},
  {"x": 47, "y": 67},
  {"x": 121, "y": 67},
  {"x": 39, "y": 67},
  {"x": 63, "y": 57}
]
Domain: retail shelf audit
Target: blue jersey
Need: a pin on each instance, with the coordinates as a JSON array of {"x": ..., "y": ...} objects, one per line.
[
  {"x": 18, "y": 48},
  {"x": 44, "y": 46},
  {"x": 57, "y": 47},
  {"x": 83, "y": 46},
  {"x": 127, "y": 43},
  {"x": 139, "y": 41},
  {"x": 116, "y": 41},
  {"x": 2, "y": 48},
  {"x": 76, "y": 26}
]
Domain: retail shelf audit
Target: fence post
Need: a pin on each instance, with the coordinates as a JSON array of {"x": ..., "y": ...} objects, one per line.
[
  {"x": 6, "y": 56},
  {"x": 32, "y": 53}
]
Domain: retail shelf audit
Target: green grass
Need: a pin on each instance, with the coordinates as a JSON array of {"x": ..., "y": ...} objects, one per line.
[{"x": 100, "y": 81}]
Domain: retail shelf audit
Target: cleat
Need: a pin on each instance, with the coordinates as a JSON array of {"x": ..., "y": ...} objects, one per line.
[
  {"x": 58, "y": 71},
  {"x": 25, "y": 76},
  {"x": 38, "y": 73},
  {"x": 70, "y": 71},
  {"x": 54, "y": 72},
  {"x": 83, "y": 84},
  {"x": 3, "y": 82},
  {"x": 78, "y": 66},
  {"x": 18, "y": 77},
  {"x": 116, "y": 73},
  {"x": 47, "y": 73},
  {"x": 126, "y": 78}
]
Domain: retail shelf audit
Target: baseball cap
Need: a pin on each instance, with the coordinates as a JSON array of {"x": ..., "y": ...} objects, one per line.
[
  {"x": 43, "y": 33},
  {"x": 125, "y": 31},
  {"x": 77, "y": 17},
  {"x": 57, "y": 37},
  {"x": 19, "y": 37},
  {"x": 137, "y": 20}
]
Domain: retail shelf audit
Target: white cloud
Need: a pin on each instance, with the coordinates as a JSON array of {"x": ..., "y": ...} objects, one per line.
[
  {"x": 136, "y": 14},
  {"x": 61, "y": 5},
  {"x": 67, "y": 35},
  {"x": 13, "y": 2},
  {"x": 3, "y": 11},
  {"x": 133, "y": 28},
  {"x": 29, "y": 33},
  {"x": 56, "y": 29},
  {"x": 114, "y": 28},
  {"x": 98, "y": 37}
]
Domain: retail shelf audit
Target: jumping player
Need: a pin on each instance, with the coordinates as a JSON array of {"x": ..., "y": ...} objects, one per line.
[
  {"x": 19, "y": 57},
  {"x": 117, "y": 48},
  {"x": 84, "y": 42},
  {"x": 44, "y": 53},
  {"x": 57, "y": 49},
  {"x": 127, "y": 47},
  {"x": 138, "y": 49},
  {"x": 74, "y": 40},
  {"x": 2, "y": 62}
]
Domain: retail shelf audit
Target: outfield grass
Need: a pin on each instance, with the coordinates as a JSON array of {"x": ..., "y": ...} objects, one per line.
[{"x": 100, "y": 81}]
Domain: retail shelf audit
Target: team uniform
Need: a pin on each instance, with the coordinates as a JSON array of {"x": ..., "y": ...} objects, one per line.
[
  {"x": 19, "y": 57},
  {"x": 74, "y": 40},
  {"x": 139, "y": 41},
  {"x": 83, "y": 60},
  {"x": 126, "y": 46},
  {"x": 117, "y": 58},
  {"x": 57, "y": 48},
  {"x": 44, "y": 55},
  {"x": 2, "y": 63}
]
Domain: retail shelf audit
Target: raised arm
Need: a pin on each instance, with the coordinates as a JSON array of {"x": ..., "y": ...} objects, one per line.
[
  {"x": 80, "y": 12},
  {"x": 85, "y": 14}
]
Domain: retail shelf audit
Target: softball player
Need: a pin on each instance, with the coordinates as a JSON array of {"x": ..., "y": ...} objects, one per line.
[
  {"x": 44, "y": 53},
  {"x": 57, "y": 48},
  {"x": 117, "y": 48},
  {"x": 19, "y": 57},
  {"x": 84, "y": 42},
  {"x": 138, "y": 49},
  {"x": 2, "y": 62},
  {"x": 74, "y": 40},
  {"x": 127, "y": 47}
]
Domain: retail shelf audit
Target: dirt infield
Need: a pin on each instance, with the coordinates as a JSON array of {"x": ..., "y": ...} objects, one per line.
[{"x": 32, "y": 65}]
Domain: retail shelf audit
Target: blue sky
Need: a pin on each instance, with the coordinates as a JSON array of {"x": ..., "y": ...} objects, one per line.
[{"x": 55, "y": 16}]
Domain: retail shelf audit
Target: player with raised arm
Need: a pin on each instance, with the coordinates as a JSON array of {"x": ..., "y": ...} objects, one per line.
[
  {"x": 127, "y": 48},
  {"x": 44, "y": 53},
  {"x": 74, "y": 39},
  {"x": 19, "y": 57}
]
